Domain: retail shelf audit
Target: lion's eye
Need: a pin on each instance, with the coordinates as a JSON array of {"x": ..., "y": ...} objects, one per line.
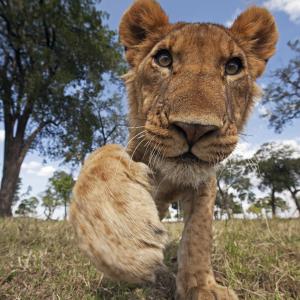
[
  {"x": 163, "y": 58},
  {"x": 233, "y": 66}
]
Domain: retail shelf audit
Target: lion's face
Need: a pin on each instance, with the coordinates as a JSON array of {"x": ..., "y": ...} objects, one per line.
[{"x": 191, "y": 86}]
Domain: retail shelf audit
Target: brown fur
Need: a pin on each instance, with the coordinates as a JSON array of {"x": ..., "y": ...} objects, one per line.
[{"x": 114, "y": 211}]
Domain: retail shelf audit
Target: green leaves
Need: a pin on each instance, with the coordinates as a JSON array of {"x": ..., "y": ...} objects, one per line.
[
  {"x": 273, "y": 169},
  {"x": 233, "y": 187},
  {"x": 278, "y": 171},
  {"x": 268, "y": 204},
  {"x": 27, "y": 206},
  {"x": 50, "y": 203},
  {"x": 62, "y": 184},
  {"x": 58, "y": 193},
  {"x": 56, "y": 58},
  {"x": 282, "y": 96},
  {"x": 48, "y": 49},
  {"x": 97, "y": 123},
  {"x": 275, "y": 164}
]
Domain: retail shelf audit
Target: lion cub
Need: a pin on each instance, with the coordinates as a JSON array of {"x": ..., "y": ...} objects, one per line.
[{"x": 191, "y": 87}]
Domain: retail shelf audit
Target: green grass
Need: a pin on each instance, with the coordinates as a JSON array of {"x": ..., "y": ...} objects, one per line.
[{"x": 40, "y": 260}]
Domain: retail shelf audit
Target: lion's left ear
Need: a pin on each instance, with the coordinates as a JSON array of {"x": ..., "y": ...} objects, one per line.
[{"x": 256, "y": 33}]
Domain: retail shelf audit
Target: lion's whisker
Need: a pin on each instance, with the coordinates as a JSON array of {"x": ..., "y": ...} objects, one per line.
[
  {"x": 139, "y": 135},
  {"x": 138, "y": 145},
  {"x": 134, "y": 137}
]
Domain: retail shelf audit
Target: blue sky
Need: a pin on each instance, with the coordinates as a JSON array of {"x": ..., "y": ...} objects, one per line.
[{"x": 287, "y": 13}]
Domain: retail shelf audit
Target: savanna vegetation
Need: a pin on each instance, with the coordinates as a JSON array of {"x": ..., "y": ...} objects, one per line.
[
  {"x": 40, "y": 260},
  {"x": 56, "y": 57}
]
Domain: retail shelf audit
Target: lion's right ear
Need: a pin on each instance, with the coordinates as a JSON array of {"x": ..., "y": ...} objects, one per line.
[{"x": 142, "y": 20}]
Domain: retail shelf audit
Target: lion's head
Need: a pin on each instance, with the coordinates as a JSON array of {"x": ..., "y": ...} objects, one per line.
[{"x": 191, "y": 85}]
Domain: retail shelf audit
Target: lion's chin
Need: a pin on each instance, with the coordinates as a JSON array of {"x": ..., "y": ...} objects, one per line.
[{"x": 187, "y": 171}]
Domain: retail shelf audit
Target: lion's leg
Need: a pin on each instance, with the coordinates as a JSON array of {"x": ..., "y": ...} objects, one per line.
[
  {"x": 195, "y": 279},
  {"x": 115, "y": 217}
]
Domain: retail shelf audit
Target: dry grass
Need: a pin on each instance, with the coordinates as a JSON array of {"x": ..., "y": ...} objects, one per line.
[{"x": 39, "y": 260}]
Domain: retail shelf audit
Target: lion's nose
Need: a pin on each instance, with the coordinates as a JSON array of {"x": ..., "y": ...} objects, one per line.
[{"x": 194, "y": 132}]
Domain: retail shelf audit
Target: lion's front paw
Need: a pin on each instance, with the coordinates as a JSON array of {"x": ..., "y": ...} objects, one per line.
[
  {"x": 115, "y": 217},
  {"x": 214, "y": 293}
]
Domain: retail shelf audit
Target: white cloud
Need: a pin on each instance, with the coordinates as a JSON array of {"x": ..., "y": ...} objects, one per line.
[
  {"x": 246, "y": 150},
  {"x": 2, "y": 135},
  {"x": 235, "y": 15},
  {"x": 46, "y": 171},
  {"x": 31, "y": 166},
  {"x": 263, "y": 85},
  {"x": 262, "y": 110},
  {"x": 290, "y": 7},
  {"x": 36, "y": 168},
  {"x": 294, "y": 144}
]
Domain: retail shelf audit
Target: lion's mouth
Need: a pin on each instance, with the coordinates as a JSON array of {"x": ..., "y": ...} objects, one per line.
[{"x": 189, "y": 158}]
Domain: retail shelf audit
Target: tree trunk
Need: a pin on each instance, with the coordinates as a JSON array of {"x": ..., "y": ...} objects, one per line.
[
  {"x": 65, "y": 216},
  {"x": 297, "y": 202},
  {"x": 47, "y": 213},
  {"x": 227, "y": 207},
  {"x": 228, "y": 212},
  {"x": 273, "y": 204},
  {"x": 15, "y": 150},
  {"x": 11, "y": 170}
]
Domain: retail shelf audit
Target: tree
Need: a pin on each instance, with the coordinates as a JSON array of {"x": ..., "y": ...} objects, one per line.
[
  {"x": 233, "y": 187},
  {"x": 256, "y": 208},
  {"x": 178, "y": 206},
  {"x": 27, "y": 206},
  {"x": 267, "y": 204},
  {"x": 270, "y": 158},
  {"x": 53, "y": 58},
  {"x": 60, "y": 189},
  {"x": 289, "y": 169},
  {"x": 291, "y": 173},
  {"x": 17, "y": 197},
  {"x": 101, "y": 124},
  {"x": 50, "y": 203},
  {"x": 282, "y": 96}
]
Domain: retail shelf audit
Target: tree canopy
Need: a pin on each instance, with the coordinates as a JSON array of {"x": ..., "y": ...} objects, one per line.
[
  {"x": 275, "y": 171},
  {"x": 27, "y": 207},
  {"x": 267, "y": 203},
  {"x": 50, "y": 203},
  {"x": 282, "y": 95},
  {"x": 234, "y": 187},
  {"x": 59, "y": 191},
  {"x": 55, "y": 58}
]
